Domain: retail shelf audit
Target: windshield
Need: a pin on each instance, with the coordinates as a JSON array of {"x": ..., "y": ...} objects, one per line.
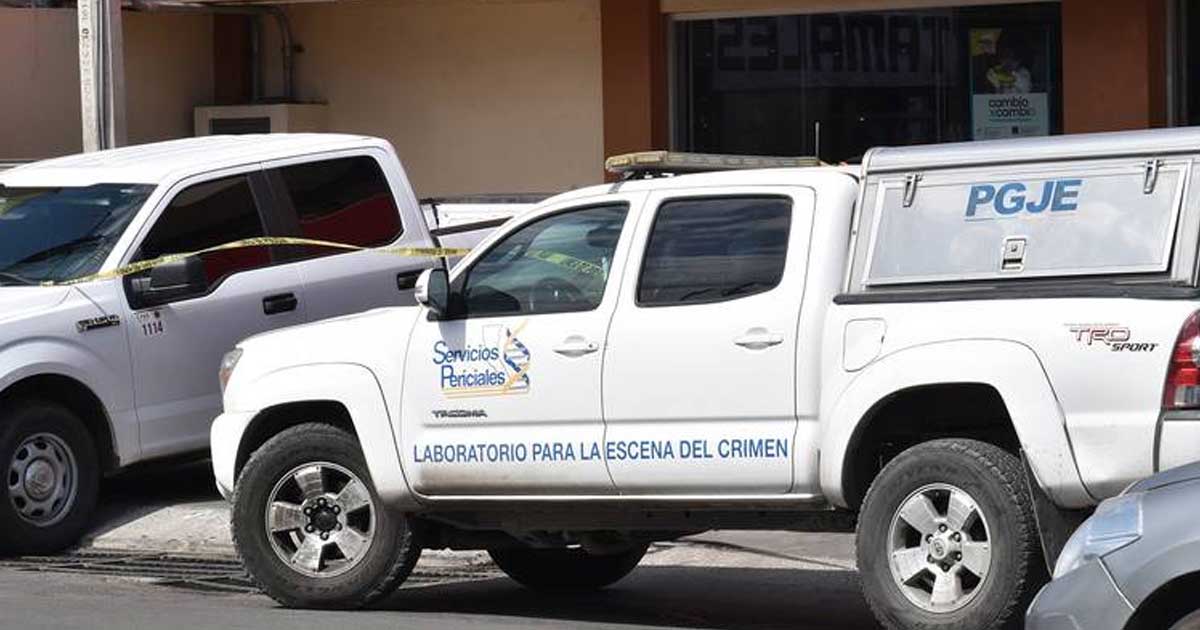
[{"x": 59, "y": 234}]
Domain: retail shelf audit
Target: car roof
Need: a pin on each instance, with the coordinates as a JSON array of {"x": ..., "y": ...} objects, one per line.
[
  {"x": 750, "y": 177},
  {"x": 161, "y": 162}
]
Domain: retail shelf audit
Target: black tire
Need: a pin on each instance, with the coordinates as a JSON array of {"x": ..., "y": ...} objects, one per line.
[
  {"x": 387, "y": 561},
  {"x": 565, "y": 569},
  {"x": 56, "y": 528},
  {"x": 995, "y": 480},
  {"x": 1190, "y": 622}
]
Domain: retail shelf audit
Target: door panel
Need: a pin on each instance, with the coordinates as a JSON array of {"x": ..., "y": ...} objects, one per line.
[
  {"x": 699, "y": 374},
  {"x": 177, "y": 347},
  {"x": 347, "y": 199},
  {"x": 505, "y": 398}
]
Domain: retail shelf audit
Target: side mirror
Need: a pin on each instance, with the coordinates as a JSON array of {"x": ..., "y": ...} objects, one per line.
[
  {"x": 433, "y": 291},
  {"x": 171, "y": 281}
]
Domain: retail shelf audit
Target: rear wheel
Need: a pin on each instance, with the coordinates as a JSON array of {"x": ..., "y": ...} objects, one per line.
[
  {"x": 51, "y": 478},
  {"x": 310, "y": 527},
  {"x": 947, "y": 539},
  {"x": 566, "y": 569}
]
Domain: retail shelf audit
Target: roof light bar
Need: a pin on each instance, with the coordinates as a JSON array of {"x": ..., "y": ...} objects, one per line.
[{"x": 658, "y": 162}]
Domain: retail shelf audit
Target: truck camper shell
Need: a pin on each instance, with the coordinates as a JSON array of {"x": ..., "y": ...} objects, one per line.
[{"x": 1083, "y": 214}]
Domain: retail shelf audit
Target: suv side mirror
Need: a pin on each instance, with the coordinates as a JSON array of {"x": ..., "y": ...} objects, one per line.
[
  {"x": 171, "y": 281},
  {"x": 433, "y": 291}
]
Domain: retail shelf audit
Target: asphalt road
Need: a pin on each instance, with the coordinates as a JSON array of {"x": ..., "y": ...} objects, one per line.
[
  {"x": 742, "y": 580},
  {"x": 652, "y": 597}
]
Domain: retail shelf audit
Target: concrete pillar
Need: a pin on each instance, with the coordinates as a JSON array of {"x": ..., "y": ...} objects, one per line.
[
  {"x": 634, "y": 58},
  {"x": 1114, "y": 64},
  {"x": 101, "y": 74}
]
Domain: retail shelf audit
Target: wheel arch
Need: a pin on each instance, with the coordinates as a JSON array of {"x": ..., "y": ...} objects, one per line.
[
  {"x": 340, "y": 394},
  {"x": 79, "y": 399},
  {"x": 1004, "y": 379},
  {"x": 1167, "y": 604},
  {"x": 276, "y": 419}
]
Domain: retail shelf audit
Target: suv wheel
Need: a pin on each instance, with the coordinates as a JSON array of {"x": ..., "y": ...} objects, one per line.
[
  {"x": 1190, "y": 622},
  {"x": 565, "y": 569},
  {"x": 51, "y": 478},
  {"x": 310, "y": 527},
  {"x": 947, "y": 539}
]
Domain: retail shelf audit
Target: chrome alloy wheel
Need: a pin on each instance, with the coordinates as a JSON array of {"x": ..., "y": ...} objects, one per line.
[
  {"x": 43, "y": 479},
  {"x": 939, "y": 548},
  {"x": 320, "y": 520}
]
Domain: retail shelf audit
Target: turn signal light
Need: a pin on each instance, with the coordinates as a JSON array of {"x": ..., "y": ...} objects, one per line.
[{"x": 1182, "y": 389}]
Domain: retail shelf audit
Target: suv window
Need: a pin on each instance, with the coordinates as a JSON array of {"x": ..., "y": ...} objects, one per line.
[
  {"x": 714, "y": 250},
  {"x": 207, "y": 215},
  {"x": 557, "y": 264},
  {"x": 346, "y": 200}
]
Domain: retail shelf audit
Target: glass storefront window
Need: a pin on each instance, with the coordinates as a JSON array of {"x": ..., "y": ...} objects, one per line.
[
  {"x": 1186, "y": 16},
  {"x": 764, "y": 85}
]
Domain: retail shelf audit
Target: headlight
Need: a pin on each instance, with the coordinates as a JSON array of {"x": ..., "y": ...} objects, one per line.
[
  {"x": 228, "y": 362},
  {"x": 1117, "y": 523}
]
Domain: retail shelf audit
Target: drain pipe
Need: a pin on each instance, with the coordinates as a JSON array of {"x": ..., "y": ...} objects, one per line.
[
  {"x": 289, "y": 51},
  {"x": 257, "y": 12},
  {"x": 288, "y": 48}
]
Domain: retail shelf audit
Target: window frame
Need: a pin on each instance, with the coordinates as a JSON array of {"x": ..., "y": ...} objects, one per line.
[
  {"x": 288, "y": 217},
  {"x": 268, "y": 214},
  {"x": 655, "y": 215},
  {"x": 458, "y": 310}
]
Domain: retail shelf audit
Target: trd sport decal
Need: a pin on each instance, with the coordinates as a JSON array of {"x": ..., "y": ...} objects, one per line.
[
  {"x": 1112, "y": 337},
  {"x": 497, "y": 365}
]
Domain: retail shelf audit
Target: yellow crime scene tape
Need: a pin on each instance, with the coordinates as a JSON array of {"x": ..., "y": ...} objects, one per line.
[{"x": 563, "y": 260}]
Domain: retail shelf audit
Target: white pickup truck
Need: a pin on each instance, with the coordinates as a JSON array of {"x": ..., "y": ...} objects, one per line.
[
  {"x": 101, "y": 369},
  {"x": 960, "y": 347}
]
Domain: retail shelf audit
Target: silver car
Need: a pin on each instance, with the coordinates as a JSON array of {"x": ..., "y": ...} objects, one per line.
[{"x": 1134, "y": 565}]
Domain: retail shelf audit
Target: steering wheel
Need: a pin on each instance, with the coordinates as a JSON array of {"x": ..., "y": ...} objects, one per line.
[{"x": 549, "y": 291}]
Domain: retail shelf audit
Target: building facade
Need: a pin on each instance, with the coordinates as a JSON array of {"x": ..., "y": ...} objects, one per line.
[{"x": 530, "y": 95}]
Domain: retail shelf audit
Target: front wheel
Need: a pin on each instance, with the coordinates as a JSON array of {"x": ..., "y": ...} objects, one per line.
[
  {"x": 947, "y": 539},
  {"x": 51, "y": 478},
  {"x": 310, "y": 527},
  {"x": 566, "y": 569},
  {"x": 1190, "y": 622}
]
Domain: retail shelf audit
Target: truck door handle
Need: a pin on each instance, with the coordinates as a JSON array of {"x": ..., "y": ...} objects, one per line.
[
  {"x": 758, "y": 339},
  {"x": 576, "y": 346},
  {"x": 406, "y": 280},
  {"x": 282, "y": 303}
]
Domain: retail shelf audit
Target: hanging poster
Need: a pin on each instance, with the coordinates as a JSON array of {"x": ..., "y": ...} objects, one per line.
[{"x": 1008, "y": 98}]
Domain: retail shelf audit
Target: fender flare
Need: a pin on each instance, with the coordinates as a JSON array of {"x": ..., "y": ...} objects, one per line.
[
  {"x": 1010, "y": 367},
  {"x": 354, "y": 386},
  {"x": 91, "y": 372}
]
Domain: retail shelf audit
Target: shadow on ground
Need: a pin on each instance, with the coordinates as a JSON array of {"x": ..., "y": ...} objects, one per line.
[
  {"x": 142, "y": 490},
  {"x": 673, "y": 597}
]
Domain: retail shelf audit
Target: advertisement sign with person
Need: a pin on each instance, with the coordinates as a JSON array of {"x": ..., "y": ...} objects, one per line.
[{"x": 1007, "y": 97}]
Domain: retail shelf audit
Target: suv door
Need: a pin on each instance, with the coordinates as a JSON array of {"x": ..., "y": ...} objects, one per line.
[
  {"x": 503, "y": 396},
  {"x": 177, "y": 347},
  {"x": 347, "y": 199},
  {"x": 699, "y": 380}
]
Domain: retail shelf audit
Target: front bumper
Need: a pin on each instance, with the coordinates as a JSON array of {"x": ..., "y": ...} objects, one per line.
[
  {"x": 226, "y": 437},
  {"x": 1084, "y": 599}
]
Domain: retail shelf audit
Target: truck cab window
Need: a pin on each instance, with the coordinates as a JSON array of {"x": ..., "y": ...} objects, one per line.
[
  {"x": 554, "y": 265},
  {"x": 207, "y": 215},
  {"x": 346, "y": 200},
  {"x": 714, "y": 250}
]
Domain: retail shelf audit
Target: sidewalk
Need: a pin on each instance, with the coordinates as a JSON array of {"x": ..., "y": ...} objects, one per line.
[{"x": 178, "y": 511}]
